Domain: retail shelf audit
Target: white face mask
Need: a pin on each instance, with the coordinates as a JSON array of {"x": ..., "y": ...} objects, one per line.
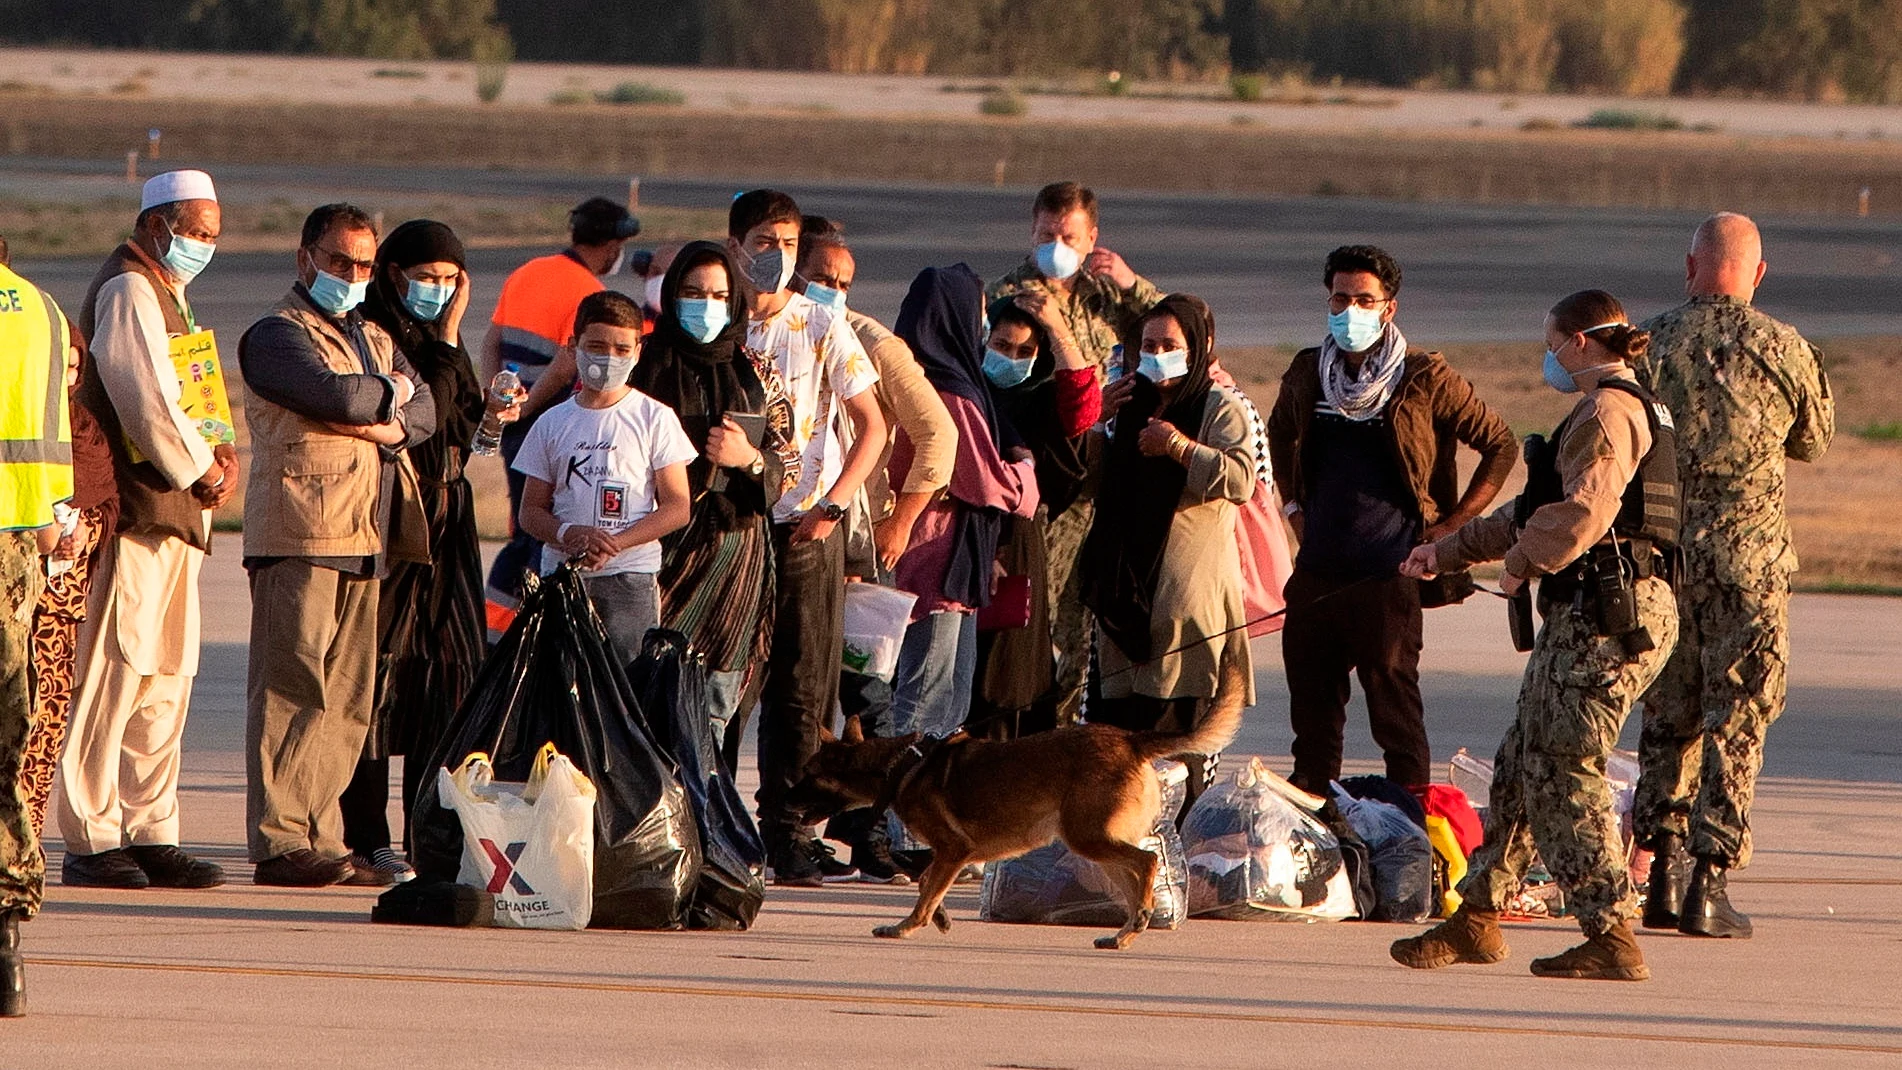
[
  {"x": 1162, "y": 367},
  {"x": 620, "y": 259},
  {"x": 652, "y": 291}
]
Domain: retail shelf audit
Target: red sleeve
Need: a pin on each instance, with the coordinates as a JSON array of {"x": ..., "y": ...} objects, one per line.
[{"x": 1079, "y": 400}]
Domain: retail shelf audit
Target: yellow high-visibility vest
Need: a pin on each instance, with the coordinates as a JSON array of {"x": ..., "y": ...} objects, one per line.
[{"x": 36, "y": 438}]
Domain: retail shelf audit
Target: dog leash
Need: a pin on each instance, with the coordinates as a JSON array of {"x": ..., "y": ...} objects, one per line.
[{"x": 1263, "y": 619}]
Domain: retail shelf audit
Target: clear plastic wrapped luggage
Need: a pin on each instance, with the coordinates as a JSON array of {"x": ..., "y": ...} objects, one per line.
[
  {"x": 1256, "y": 851},
  {"x": 1053, "y": 885}
]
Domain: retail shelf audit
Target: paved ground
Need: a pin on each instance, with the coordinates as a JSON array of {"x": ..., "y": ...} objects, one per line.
[
  {"x": 188, "y": 76},
  {"x": 1472, "y": 273},
  {"x": 244, "y": 976}
]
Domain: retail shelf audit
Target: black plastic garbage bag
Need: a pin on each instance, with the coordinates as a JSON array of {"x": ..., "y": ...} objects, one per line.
[
  {"x": 670, "y": 684},
  {"x": 554, "y": 679}
]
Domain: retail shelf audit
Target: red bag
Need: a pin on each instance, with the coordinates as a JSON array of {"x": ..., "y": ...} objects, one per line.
[
  {"x": 1266, "y": 562},
  {"x": 1009, "y": 608},
  {"x": 1447, "y": 801}
]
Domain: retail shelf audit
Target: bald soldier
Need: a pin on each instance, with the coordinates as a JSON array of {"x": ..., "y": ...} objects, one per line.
[{"x": 1747, "y": 393}]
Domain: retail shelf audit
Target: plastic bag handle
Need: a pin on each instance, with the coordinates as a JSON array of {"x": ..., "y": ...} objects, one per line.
[{"x": 464, "y": 776}]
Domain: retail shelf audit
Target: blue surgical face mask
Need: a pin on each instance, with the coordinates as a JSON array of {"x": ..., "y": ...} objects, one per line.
[
  {"x": 1556, "y": 376},
  {"x": 1564, "y": 381},
  {"x": 826, "y": 295},
  {"x": 1356, "y": 329},
  {"x": 186, "y": 258},
  {"x": 426, "y": 300},
  {"x": 336, "y": 296},
  {"x": 702, "y": 318},
  {"x": 1161, "y": 367},
  {"x": 1057, "y": 260},
  {"x": 1005, "y": 372}
]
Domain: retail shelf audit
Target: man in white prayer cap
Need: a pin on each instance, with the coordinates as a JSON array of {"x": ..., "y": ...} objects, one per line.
[{"x": 174, "y": 463}]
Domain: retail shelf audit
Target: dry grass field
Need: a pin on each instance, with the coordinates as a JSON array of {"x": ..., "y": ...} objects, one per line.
[{"x": 1564, "y": 166}]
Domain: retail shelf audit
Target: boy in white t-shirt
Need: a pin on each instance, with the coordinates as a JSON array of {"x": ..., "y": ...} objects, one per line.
[{"x": 607, "y": 475}]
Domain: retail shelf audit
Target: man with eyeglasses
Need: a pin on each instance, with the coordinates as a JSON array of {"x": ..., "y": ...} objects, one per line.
[
  {"x": 333, "y": 407},
  {"x": 137, "y": 650},
  {"x": 1363, "y": 438}
]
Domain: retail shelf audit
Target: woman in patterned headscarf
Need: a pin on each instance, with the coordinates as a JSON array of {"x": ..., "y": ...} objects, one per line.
[{"x": 716, "y": 579}]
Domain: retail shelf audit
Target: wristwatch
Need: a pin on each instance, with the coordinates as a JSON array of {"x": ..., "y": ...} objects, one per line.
[
  {"x": 758, "y": 467},
  {"x": 829, "y": 510}
]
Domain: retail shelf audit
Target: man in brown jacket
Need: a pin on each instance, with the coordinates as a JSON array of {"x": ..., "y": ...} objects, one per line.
[
  {"x": 333, "y": 407},
  {"x": 1364, "y": 437}
]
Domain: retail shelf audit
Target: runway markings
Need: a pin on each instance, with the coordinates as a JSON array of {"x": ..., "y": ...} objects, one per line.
[{"x": 752, "y": 992}]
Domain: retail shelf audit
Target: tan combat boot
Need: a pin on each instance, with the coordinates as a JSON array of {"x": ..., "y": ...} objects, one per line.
[
  {"x": 1468, "y": 936},
  {"x": 1610, "y": 956}
]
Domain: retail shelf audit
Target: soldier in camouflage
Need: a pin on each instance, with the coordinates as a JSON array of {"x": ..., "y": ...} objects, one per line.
[
  {"x": 1599, "y": 502},
  {"x": 1101, "y": 299},
  {"x": 1747, "y": 393}
]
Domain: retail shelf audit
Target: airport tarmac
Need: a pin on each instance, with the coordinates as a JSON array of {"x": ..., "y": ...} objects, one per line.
[
  {"x": 245, "y": 977},
  {"x": 1472, "y": 274}
]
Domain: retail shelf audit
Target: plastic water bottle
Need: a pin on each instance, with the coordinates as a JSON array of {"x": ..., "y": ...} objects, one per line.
[
  {"x": 67, "y": 518},
  {"x": 488, "y": 437}
]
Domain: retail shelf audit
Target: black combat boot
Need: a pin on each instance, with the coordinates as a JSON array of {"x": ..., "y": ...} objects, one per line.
[
  {"x": 1670, "y": 868},
  {"x": 12, "y": 966},
  {"x": 1706, "y": 910}
]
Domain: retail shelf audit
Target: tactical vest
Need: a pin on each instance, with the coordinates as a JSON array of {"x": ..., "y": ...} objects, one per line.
[
  {"x": 148, "y": 503},
  {"x": 36, "y": 440},
  {"x": 1650, "y": 506}
]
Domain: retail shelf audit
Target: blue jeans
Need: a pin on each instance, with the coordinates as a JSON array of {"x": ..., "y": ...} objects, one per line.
[
  {"x": 931, "y": 691},
  {"x": 628, "y": 604}
]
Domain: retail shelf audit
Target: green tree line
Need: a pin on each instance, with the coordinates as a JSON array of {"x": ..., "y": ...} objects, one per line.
[{"x": 1804, "y": 49}]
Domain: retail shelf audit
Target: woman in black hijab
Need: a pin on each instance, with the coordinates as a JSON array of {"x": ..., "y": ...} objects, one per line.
[
  {"x": 716, "y": 579},
  {"x": 430, "y": 616},
  {"x": 1047, "y": 390},
  {"x": 950, "y": 562},
  {"x": 1163, "y": 572}
]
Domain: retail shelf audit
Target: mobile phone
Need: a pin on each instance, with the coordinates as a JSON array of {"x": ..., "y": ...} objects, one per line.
[{"x": 753, "y": 424}]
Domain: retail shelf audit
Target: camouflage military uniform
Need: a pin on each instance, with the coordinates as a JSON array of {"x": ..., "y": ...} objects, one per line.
[
  {"x": 22, "y": 866},
  {"x": 1549, "y": 777},
  {"x": 1098, "y": 315},
  {"x": 1746, "y": 392}
]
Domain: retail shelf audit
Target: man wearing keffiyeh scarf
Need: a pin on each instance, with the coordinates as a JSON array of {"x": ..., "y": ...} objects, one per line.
[
  {"x": 1363, "y": 441},
  {"x": 1361, "y": 394}
]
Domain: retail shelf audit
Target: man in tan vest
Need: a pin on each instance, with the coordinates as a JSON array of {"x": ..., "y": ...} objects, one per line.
[
  {"x": 333, "y": 405},
  {"x": 138, "y": 647}
]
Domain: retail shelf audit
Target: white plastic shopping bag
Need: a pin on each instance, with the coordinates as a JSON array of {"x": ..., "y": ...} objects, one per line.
[
  {"x": 875, "y": 620},
  {"x": 529, "y": 845}
]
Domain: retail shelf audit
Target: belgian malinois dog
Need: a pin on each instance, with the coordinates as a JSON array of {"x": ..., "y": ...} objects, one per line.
[{"x": 974, "y": 800}]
